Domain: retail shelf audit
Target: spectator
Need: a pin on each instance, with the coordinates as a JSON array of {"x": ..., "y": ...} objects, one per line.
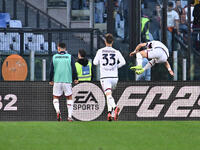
[
  {"x": 99, "y": 11},
  {"x": 196, "y": 25},
  {"x": 123, "y": 10},
  {"x": 146, "y": 76},
  {"x": 196, "y": 15},
  {"x": 172, "y": 23},
  {"x": 186, "y": 12},
  {"x": 157, "y": 23},
  {"x": 182, "y": 16},
  {"x": 85, "y": 4},
  {"x": 83, "y": 67},
  {"x": 145, "y": 24},
  {"x": 76, "y": 4}
]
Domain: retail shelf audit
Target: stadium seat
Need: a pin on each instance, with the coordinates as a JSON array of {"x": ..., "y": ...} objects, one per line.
[
  {"x": 4, "y": 20},
  {"x": 1, "y": 36},
  {"x": 15, "y": 24},
  {"x": 53, "y": 45},
  {"x": 5, "y": 16},
  {"x": 4, "y": 46},
  {"x": 16, "y": 46},
  {"x": 13, "y": 37},
  {"x": 28, "y": 37},
  {"x": 2, "y": 24},
  {"x": 34, "y": 46},
  {"x": 38, "y": 38}
]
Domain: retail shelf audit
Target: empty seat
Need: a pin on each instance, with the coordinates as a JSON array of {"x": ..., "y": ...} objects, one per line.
[
  {"x": 1, "y": 36},
  {"x": 15, "y": 24},
  {"x": 13, "y": 37},
  {"x": 53, "y": 46},
  {"x": 5, "y": 16},
  {"x": 4, "y": 46},
  {"x": 4, "y": 20},
  {"x": 28, "y": 37},
  {"x": 38, "y": 38},
  {"x": 2, "y": 24}
]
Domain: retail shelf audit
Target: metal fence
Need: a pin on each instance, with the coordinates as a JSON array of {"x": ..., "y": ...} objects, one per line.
[
  {"x": 44, "y": 44},
  {"x": 43, "y": 41}
]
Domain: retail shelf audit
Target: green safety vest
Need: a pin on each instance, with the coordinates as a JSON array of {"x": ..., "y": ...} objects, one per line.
[
  {"x": 62, "y": 68},
  {"x": 143, "y": 22},
  {"x": 84, "y": 72}
]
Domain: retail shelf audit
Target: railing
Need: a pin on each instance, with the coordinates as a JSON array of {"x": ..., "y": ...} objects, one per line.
[
  {"x": 38, "y": 14},
  {"x": 188, "y": 60},
  {"x": 43, "y": 41}
]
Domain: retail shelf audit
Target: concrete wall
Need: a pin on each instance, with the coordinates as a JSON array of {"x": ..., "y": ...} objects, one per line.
[
  {"x": 40, "y": 4},
  {"x": 59, "y": 14}
]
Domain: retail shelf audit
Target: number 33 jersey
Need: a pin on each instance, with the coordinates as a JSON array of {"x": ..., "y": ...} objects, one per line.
[{"x": 109, "y": 60}]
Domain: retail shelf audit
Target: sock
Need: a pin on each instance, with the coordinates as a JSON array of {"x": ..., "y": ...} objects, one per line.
[
  {"x": 139, "y": 59},
  {"x": 111, "y": 102},
  {"x": 70, "y": 104},
  {"x": 150, "y": 64},
  {"x": 109, "y": 105},
  {"x": 56, "y": 105}
]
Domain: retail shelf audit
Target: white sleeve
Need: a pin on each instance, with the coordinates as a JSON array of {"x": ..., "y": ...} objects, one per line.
[
  {"x": 121, "y": 59},
  {"x": 176, "y": 17},
  {"x": 96, "y": 59}
]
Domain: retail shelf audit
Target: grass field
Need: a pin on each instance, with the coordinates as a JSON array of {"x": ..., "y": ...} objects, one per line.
[{"x": 122, "y": 135}]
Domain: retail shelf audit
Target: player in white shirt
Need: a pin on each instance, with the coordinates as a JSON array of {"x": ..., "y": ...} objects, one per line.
[
  {"x": 109, "y": 60},
  {"x": 156, "y": 51}
]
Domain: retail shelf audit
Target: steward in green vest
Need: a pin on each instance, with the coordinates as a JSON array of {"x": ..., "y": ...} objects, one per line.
[
  {"x": 145, "y": 22},
  {"x": 83, "y": 67}
]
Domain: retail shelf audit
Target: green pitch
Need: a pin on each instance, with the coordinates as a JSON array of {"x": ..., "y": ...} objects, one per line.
[{"x": 122, "y": 135}]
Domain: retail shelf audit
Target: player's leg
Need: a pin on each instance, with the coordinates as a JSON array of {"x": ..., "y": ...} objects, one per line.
[
  {"x": 69, "y": 101},
  {"x": 106, "y": 86},
  {"x": 157, "y": 55},
  {"x": 57, "y": 92},
  {"x": 139, "y": 59},
  {"x": 116, "y": 109}
]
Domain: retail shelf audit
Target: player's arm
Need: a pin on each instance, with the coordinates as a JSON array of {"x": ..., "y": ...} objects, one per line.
[
  {"x": 139, "y": 46},
  {"x": 96, "y": 58},
  {"x": 51, "y": 73},
  {"x": 74, "y": 72},
  {"x": 122, "y": 61},
  {"x": 167, "y": 65}
]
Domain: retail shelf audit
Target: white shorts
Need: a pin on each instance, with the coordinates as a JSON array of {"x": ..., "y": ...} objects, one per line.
[
  {"x": 158, "y": 54},
  {"x": 108, "y": 84},
  {"x": 59, "y": 88}
]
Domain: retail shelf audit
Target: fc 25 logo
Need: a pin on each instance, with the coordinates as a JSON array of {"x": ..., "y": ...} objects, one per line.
[
  {"x": 149, "y": 102},
  {"x": 181, "y": 104}
]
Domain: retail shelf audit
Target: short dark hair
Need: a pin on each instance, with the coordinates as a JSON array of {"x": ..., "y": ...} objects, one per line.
[
  {"x": 109, "y": 38},
  {"x": 170, "y": 4},
  {"x": 62, "y": 45},
  {"x": 82, "y": 52}
]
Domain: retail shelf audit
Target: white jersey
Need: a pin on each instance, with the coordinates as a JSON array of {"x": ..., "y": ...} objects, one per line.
[
  {"x": 110, "y": 60},
  {"x": 157, "y": 44}
]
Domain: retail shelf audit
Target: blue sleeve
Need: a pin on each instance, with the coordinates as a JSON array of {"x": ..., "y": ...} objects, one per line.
[
  {"x": 51, "y": 71},
  {"x": 74, "y": 72}
]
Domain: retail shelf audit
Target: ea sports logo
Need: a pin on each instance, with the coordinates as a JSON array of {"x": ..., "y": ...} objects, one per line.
[{"x": 89, "y": 101}]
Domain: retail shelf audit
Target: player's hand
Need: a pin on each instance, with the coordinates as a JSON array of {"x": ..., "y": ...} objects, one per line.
[
  {"x": 171, "y": 73},
  {"x": 132, "y": 53},
  {"x": 76, "y": 81},
  {"x": 51, "y": 83}
]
